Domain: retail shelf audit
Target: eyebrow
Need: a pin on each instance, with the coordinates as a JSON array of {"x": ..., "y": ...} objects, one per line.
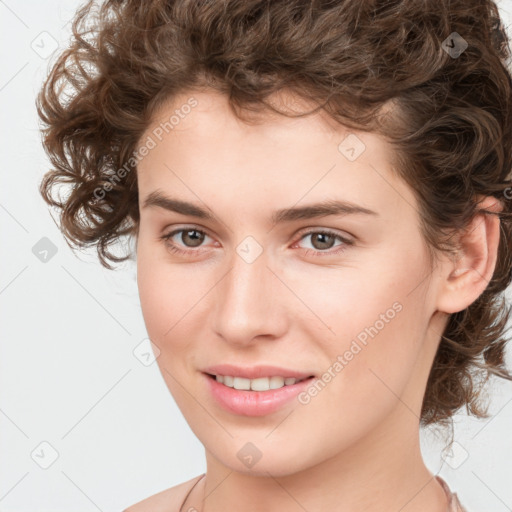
[{"x": 325, "y": 208}]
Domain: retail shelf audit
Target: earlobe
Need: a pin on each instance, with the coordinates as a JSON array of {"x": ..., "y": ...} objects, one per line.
[{"x": 468, "y": 276}]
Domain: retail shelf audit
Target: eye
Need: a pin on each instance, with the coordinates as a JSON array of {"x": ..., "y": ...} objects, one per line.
[
  {"x": 322, "y": 240},
  {"x": 189, "y": 235}
]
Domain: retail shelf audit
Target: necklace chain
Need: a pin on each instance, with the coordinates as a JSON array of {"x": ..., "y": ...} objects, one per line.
[
  {"x": 457, "y": 506},
  {"x": 189, "y": 492}
]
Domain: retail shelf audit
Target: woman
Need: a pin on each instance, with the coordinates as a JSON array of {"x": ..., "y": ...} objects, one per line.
[{"x": 320, "y": 198}]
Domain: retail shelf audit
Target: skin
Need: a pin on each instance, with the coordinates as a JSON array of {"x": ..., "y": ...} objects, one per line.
[{"x": 354, "y": 446}]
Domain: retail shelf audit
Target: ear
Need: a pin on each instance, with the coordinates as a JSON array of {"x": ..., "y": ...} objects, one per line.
[{"x": 465, "y": 278}]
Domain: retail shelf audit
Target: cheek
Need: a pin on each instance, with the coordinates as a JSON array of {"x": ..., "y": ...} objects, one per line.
[
  {"x": 154, "y": 301},
  {"x": 164, "y": 310},
  {"x": 156, "y": 291},
  {"x": 171, "y": 297},
  {"x": 379, "y": 319}
]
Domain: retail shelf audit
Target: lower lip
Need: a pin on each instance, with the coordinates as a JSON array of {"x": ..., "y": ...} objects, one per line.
[{"x": 254, "y": 403}]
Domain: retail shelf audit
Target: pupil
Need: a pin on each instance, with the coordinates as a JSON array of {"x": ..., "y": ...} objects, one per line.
[
  {"x": 322, "y": 237},
  {"x": 195, "y": 240}
]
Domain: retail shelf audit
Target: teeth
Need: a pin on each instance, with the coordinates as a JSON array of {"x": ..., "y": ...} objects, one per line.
[{"x": 261, "y": 384}]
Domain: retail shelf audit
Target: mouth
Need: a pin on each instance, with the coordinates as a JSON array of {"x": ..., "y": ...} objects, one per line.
[{"x": 254, "y": 397}]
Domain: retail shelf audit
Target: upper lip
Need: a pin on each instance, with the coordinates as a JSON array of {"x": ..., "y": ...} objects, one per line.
[{"x": 255, "y": 372}]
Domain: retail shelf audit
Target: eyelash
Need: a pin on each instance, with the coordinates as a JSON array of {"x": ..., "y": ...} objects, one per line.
[{"x": 308, "y": 252}]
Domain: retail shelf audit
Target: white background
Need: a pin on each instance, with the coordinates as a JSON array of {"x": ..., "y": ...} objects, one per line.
[{"x": 68, "y": 375}]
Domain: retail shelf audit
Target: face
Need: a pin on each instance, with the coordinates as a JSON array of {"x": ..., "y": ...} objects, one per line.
[{"x": 344, "y": 297}]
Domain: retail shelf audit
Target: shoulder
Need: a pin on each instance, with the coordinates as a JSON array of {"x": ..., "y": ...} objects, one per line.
[{"x": 168, "y": 500}]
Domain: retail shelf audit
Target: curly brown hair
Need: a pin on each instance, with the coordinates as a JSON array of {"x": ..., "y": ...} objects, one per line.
[{"x": 431, "y": 76}]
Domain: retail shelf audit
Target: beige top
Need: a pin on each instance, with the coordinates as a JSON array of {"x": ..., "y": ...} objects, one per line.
[
  {"x": 453, "y": 500},
  {"x": 454, "y": 504}
]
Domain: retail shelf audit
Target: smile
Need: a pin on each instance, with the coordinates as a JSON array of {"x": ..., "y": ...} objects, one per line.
[
  {"x": 260, "y": 384},
  {"x": 254, "y": 397}
]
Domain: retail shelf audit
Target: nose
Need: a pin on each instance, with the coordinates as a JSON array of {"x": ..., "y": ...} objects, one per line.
[{"x": 250, "y": 302}]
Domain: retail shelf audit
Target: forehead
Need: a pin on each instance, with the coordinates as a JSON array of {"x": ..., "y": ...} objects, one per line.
[
  {"x": 202, "y": 148},
  {"x": 207, "y": 114}
]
